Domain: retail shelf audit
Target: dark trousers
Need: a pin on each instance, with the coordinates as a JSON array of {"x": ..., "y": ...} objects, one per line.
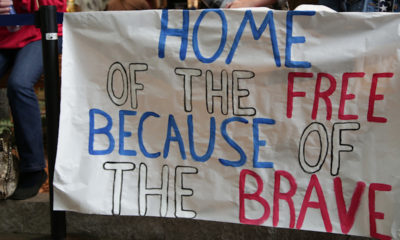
[{"x": 26, "y": 67}]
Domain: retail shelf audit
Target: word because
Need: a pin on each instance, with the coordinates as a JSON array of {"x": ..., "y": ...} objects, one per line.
[{"x": 173, "y": 135}]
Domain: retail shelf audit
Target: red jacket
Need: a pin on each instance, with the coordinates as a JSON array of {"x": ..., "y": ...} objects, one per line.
[{"x": 29, "y": 33}]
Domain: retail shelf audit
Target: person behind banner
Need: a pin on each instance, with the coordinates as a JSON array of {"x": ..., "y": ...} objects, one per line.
[
  {"x": 362, "y": 5},
  {"x": 21, "y": 55},
  {"x": 121, "y": 5},
  {"x": 114, "y": 5},
  {"x": 275, "y": 4}
]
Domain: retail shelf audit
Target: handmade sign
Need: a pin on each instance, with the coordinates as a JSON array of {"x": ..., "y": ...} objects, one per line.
[{"x": 284, "y": 119}]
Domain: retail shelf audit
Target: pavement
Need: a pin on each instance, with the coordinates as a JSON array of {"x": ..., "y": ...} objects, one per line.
[
  {"x": 30, "y": 220},
  {"x": 26, "y": 236}
]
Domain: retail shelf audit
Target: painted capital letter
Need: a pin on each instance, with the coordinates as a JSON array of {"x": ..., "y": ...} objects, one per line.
[
  {"x": 181, "y": 191},
  {"x": 239, "y": 93},
  {"x": 140, "y": 135},
  {"x": 373, "y": 215},
  {"x": 176, "y": 32},
  {"x": 374, "y": 97},
  {"x": 284, "y": 196},
  {"x": 114, "y": 68},
  {"x": 344, "y": 96},
  {"x": 291, "y": 93},
  {"x": 211, "y": 141},
  {"x": 251, "y": 196},
  {"x": 172, "y": 126},
  {"x": 212, "y": 92},
  {"x": 324, "y": 95},
  {"x": 319, "y": 129},
  {"x": 124, "y": 134},
  {"x": 135, "y": 86},
  {"x": 119, "y": 168},
  {"x": 146, "y": 191},
  {"x": 188, "y": 74},
  {"x": 257, "y": 33},
  {"x": 337, "y": 146},
  {"x": 290, "y": 39},
  {"x": 232, "y": 143},
  {"x": 195, "y": 38},
  {"x": 347, "y": 217},
  {"x": 321, "y": 204},
  {"x": 103, "y": 130},
  {"x": 257, "y": 143}
]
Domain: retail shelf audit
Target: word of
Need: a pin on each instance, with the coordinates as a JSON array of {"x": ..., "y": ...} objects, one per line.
[
  {"x": 345, "y": 96},
  {"x": 144, "y": 191},
  {"x": 129, "y": 84},
  {"x": 183, "y": 33},
  {"x": 336, "y": 149},
  {"x": 173, "y": 135},
  {"x": 346, "y": 217},
  {"x": 237, "y": 92}
]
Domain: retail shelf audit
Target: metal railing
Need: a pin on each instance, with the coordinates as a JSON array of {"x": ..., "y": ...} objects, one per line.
[{"x": 47, "y": 19}]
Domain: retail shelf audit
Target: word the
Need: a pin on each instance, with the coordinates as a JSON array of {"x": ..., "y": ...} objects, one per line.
[
  {"x": 346, "y": 217},
  {"x": 144, "y": 191},
  {"x": 237, "y": 92}
]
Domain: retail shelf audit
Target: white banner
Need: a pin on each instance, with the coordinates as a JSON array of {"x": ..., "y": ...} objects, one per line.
[{"x": 285, "y": 119}]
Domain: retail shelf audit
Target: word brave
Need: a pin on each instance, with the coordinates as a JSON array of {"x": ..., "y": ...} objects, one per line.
[
  {"x": 145, "y": 191},
  {"x": 346, "y": 217}
]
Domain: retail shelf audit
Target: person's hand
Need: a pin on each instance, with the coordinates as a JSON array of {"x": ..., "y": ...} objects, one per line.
[
  {"x": 250, "y": 3},
  {"x": 5, "y": 6}
]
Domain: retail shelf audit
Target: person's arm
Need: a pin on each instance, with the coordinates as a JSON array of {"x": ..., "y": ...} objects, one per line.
[
  {"x": 250, "y": 3},
  {"x": 5, "y": 6}
]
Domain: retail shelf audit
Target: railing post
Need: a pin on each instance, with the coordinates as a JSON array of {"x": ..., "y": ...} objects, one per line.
[{"x": 47, "y": 20}]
